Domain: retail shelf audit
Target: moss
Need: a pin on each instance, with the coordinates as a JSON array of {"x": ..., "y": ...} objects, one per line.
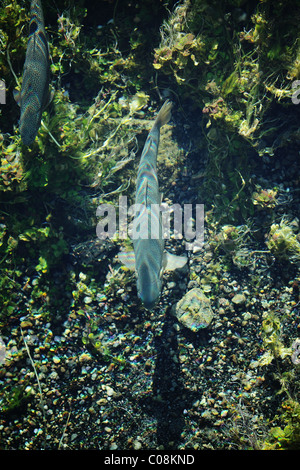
[
  {"x": 265, "y": 198},
  {"x": 273, "y": 346},
  {"x": 229, "y": 238},
  {"x": 46, "y": 189},
  {"x": 14, "y": 399},
  {"x": 286, "y": 436},
  {"x": 283, "y": 243},
  {"x": 234, "y": 66}
]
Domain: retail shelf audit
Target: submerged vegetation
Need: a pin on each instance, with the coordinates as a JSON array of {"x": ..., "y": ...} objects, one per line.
[
  {"x": 234, "y": 63},
  {"x": 68, "y": 307}
]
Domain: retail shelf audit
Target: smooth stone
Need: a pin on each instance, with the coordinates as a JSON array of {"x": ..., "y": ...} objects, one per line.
[
  {"x": 239, "y": 299},
  {"x": 194, "y": 310}
]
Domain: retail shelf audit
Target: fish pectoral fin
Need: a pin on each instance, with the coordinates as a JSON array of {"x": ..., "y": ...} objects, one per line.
[
  {"x": 128, "y": 259},
  {"x": 172, "y": 262},
  {"x": 17, "y": 96}
]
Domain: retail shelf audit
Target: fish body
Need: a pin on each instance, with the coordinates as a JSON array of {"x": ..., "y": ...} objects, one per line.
[
  {"x": 34, "y": 95},
  {"x": 149, "y": 258},
  {"x": 149, "y": 250}
]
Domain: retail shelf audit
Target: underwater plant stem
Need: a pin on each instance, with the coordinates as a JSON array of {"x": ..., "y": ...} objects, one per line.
[
  {"x": 123, "y": 121},
  {"x": 101, "y": 110},
  {"x": 282, "y": 381},
  {"x": 10, "y": 66},
  {"x": 4, "y": 258},
  {"x": 47, "y": 130},
  {"x": 105, "y": 144},
  {"x": 42, "y": 404},
  {"x": 64, "y": 431}
]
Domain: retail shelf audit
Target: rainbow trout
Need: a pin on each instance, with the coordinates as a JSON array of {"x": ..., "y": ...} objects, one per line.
[{"x": 34, "y": 95}]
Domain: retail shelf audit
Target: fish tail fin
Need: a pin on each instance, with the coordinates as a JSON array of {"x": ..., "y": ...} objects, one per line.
[{"x": 164, "y": 114}]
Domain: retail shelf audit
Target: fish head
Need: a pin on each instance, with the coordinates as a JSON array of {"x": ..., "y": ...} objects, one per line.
[{"x": 149, "y": 286}]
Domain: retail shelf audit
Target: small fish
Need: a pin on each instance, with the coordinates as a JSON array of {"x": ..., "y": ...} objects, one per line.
[
  {"x": 149, "y": 258},
  {"x": 34, "y": 95}
]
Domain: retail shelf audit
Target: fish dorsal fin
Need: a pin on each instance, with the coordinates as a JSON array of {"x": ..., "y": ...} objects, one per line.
[
  {"x": 128, "y": 259},
  {"x": 172, "y": 262}
]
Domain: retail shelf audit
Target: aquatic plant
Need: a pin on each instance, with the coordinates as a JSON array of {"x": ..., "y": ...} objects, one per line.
[
  {"x": 265, "y": 198},
  {"x": 228, "y": 66},
  {"x": 226, "y": 183},
  {"x": 283, "y": 243},
  {"x": 286, "y": 436},
  {"x": 271, "y": 336},
  {"x": 235, "y": 65},
  {"x": 230, "y": 238},
  {"x": 92, "y": 339},
  {"x": 13, "y": 399},
  {"x": 242, "y": 420},
  {"x": 85, "y": 289},
  {"x": 11, "y": 169},
  {"x": 80, "y": 155},
  {"x": 233, "y": 242},
  {"x": 12, "y": 18}
]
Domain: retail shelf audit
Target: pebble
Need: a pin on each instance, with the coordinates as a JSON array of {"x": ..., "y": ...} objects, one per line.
[
  {"x": 53, "y": 375},
  {"x": 137, "y": 445},
  {"x": 247, "y": 316},
  {"x": 239, "y": 299},
  {"x": 25, "y": 324},
  {"x": 194, "y": 310},
  {"x": 171, "y": 285},
  {"x": 110, "y": 391}
]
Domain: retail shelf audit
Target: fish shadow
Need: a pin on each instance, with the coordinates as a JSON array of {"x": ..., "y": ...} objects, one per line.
[{"x": 170, "y": 399}]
